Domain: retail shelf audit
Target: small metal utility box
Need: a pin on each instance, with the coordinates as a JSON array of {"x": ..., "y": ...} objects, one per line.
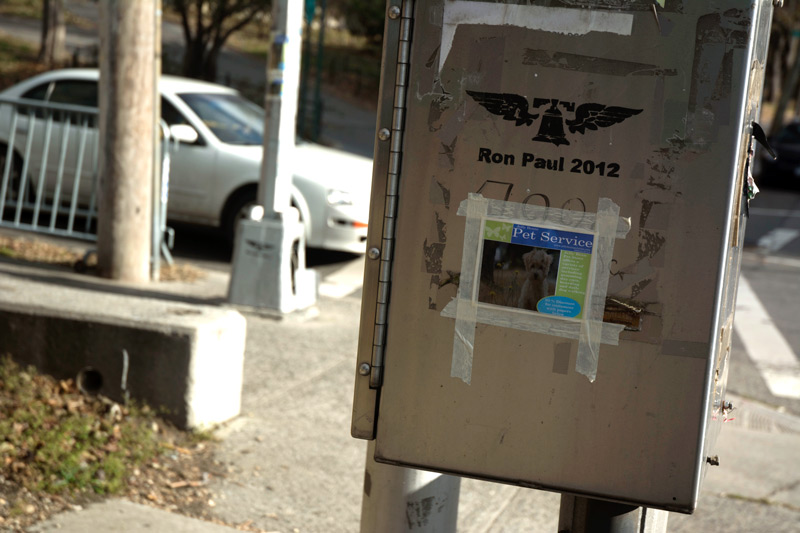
[{"x": 558, "y": 208}]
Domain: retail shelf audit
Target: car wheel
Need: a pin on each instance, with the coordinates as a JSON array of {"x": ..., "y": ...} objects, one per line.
[{"x": 238, "y": 208}]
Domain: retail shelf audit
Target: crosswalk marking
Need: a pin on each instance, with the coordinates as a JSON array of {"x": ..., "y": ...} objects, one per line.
[
  {"x": 766, "y": 346},
  {"x": 777, "y": 238},
  {"x": 768, "y": 212},
  {"x": 343, "y": 282}
]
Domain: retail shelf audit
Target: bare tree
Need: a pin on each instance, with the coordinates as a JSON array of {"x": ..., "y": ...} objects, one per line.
[
  {"x": 207, "y": 25},
  {"x": 54, "y": 33}
]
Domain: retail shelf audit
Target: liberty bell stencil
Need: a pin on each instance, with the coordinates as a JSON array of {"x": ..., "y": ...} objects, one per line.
[{"x": 589, "y": 116}]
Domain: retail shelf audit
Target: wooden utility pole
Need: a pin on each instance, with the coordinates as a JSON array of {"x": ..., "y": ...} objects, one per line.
[{"x": 127, "y": 50}]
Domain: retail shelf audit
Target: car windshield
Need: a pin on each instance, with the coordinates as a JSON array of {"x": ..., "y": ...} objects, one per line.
[{"x": 230, "y": 117}]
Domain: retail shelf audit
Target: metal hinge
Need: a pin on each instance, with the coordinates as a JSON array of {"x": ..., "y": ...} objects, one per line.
[{"x": 395, "y": 137}]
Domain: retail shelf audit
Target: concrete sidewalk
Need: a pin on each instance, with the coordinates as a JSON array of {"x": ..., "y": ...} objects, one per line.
[{"x": 294, "y": 467}]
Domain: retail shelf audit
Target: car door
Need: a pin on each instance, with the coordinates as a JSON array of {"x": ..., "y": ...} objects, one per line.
[
  {"x": 192, "y": 170},
  {"x": 74, "y": 145},
  {"x": 54, "y": 142},
  {"x": 29, "y": 141}
]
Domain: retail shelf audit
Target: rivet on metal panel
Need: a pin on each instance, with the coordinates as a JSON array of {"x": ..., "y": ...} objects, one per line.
[
  {"x": 384, "y": 134},
  {"x": 374, "y": 253},
  {"x": 364, "y": 369},
  {"x": 394, "y": 12}
]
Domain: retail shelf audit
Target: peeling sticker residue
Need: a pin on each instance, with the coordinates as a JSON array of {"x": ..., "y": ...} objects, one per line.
[
  {"x": 650, "y": 243},
  {"x": 433, "y": 256},
  {"x": 441, "y": 228},
  {"x": 440, "y": 194},
  {"x": 592, "y": 65},
  {"x": 561, "y": 20},
  {"x": 719, "y": 37},
  {"x": 448, "y": 152},
  {"x": 637, "y": 289},
  {"x": 438, "y": 105},
  {"x": 433, "y": 289},
  {"x": 646, "y": 207}
]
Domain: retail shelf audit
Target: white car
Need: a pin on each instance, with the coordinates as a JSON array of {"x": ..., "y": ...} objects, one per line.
[{"x": 214, "y": 180}]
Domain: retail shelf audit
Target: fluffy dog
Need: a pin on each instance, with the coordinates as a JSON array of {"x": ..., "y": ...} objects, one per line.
[{"x": 537, "y": 266}]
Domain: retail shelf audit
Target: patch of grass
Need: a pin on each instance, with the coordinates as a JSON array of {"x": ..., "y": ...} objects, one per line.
[
  {"x": 32, "y": 9},
  {"x": 57, "y": 440},
  {"x": 21, "y": 8}
]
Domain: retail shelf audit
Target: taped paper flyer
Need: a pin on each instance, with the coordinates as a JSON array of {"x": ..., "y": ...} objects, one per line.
[{"x": 535, "y": 268}]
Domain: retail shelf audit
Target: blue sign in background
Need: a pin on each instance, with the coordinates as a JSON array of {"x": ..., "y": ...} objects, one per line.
[{"x": 552, "y": 238}]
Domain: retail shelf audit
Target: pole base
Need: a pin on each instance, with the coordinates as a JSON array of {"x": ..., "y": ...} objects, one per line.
[{"x": 269, "y": 266}]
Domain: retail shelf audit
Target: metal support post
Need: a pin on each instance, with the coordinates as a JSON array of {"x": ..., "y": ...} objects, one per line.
[
  {"x": 400, "y": 500},
  {"x": 268, "y": 259},
  {"x": 158, "y": 156},
  {"x": 586, "y": 515}
]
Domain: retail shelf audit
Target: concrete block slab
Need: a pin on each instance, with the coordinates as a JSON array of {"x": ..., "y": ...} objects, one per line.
[{"x": 185, "y": 358}]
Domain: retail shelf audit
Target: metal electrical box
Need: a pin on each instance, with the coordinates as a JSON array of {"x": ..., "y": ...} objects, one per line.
[{"x": 558, "y": 208}]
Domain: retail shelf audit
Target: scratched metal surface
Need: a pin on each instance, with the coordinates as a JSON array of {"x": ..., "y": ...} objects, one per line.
[{"x": 683, "y": 84}]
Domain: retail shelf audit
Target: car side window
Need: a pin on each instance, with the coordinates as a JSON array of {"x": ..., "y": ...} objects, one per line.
[
  {"x": 75, "y": 92},
  {"x": 172, "y": 117},
  {"x": 37, "y": 93}
]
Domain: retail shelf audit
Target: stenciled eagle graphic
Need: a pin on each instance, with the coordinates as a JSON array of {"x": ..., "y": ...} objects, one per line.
[{"x": 589, "y": 116}]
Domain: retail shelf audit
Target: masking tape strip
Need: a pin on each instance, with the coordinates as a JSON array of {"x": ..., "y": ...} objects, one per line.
[
  {"x": 590, "y": 331},
  {"x": 589, "y": 342},
  {"x": 552, "y": 216},
  {"x": 509, "y": 318},
  {"x": 466, "y": 310},
  {"x": 550, "y": 19}
]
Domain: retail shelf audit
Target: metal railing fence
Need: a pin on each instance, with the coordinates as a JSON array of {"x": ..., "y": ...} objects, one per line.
[{"x": 49, "y": 179}]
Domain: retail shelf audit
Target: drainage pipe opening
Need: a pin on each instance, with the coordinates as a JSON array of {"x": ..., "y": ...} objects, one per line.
[{"x": 90, "y": 381}]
